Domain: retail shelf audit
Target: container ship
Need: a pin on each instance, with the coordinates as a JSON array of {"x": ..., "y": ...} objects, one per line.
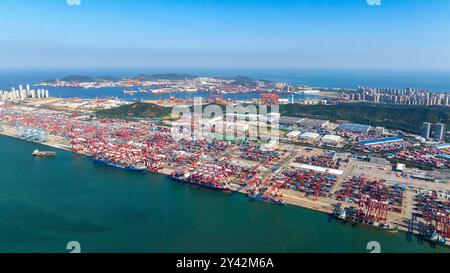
[
  {"x": 266, "y": 198},
  {"x": 349, "y": 215},
  {"x": 192, "y": 178},
  {"x": 134, "y": 168},
  {"x": 43, "y": 153},
  {"x": 437, "y": 238}
]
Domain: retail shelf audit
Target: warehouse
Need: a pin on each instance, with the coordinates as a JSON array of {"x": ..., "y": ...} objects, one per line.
[
  {"x": 312, "y": 123},
  {"x": 309, "y": 137},
  {"x": 380, "y": 141},
  {"x": 289, "y": 121},
  {"x": 443, "y": 146},
  {"x": 317, "y": 168},
  {"x": 354, "y": 127},
  {"x": 332, "y": 140},
  {"x": 293, "y": 135}
]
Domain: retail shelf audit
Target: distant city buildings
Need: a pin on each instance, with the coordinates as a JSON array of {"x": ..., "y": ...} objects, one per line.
[
  {"x": 407, "y": 96},
  {"x": 23, "y": 94}
]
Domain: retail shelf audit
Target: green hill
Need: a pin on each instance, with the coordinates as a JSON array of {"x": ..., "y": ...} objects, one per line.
[
  {"x": 403, "y": 117},
  {"x": 136, "y": 110},
  {"x": 81, "y": 78},
  {"x": 167, "y": 76}
]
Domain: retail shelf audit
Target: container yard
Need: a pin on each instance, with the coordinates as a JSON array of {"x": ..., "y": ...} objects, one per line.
[
  {"x": 314, "y": 178},
  {"x": 431, "y": 215},
  {"x": 353, "y": 190},
  {"x": 426, "y": 156}
]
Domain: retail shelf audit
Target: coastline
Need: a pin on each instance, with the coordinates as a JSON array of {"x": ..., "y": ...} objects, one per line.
[
  {"x": 290, "y": 197},
  {"x": 58, "y": 143}
]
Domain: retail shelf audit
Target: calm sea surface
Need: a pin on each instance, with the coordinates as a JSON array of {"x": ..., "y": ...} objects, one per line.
[
  {"x": 431, "y": 80},
  {"x": 47, "y": 202}
]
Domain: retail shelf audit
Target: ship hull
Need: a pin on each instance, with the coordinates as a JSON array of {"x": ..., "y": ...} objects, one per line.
[
  {"x": 439, "y": 243},
  {"x": 206, "y": 186},
  {"x": 43, "y": 153},
  {"x": 367, "y": 225},
  {"x": 111, "y": 164},
  {"x": 258, "y": 198}
]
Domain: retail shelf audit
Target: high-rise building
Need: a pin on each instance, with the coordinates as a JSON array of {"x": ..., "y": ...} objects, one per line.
[
  {"x": 425, "y": 131},
  {"x": 439, "y": 131}
]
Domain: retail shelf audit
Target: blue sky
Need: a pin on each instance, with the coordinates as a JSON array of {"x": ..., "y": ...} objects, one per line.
[{"x": 347, "y": 34}]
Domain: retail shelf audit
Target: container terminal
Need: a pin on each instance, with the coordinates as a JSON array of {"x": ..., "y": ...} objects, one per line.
[{"x": 303, "y": 170}]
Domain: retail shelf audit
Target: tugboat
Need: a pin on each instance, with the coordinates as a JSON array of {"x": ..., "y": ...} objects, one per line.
[{"x": 43, "y": 153}]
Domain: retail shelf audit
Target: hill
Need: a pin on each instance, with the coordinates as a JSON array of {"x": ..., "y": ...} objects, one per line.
[
  {"x": 167, "y": 76},
  {"x": 403, "y": 117},
  {"x": 241, "y": 80},
  {"x": 136, "y": 110},
  {"x": 81, "y": 78}
]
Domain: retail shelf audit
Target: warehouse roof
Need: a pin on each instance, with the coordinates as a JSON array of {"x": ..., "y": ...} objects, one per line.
[
  {"x": 443, "y": 146},
  {"x": 293, "y": 134},
  {"x": 309, "y": 135},
  {"x": 380, "y": 141},
  {"x": 317, "y": 168},
  {"x": 333, "y": 138},
  {"x": 289, "y": 120},
  {"x": 355, "y": 127},
  {"x": 314, "y": 123}
]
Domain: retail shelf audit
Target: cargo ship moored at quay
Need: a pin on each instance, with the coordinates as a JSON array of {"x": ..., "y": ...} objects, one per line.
[
  {"x": 133, "y": 168},
  {"x": 190, "y": 178},
  {"x": 266, "y": 198},
  {"x": 350, "y": 216}
]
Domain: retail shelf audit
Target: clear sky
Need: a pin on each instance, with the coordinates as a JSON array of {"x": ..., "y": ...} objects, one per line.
[{"x": 399, "y": 34}]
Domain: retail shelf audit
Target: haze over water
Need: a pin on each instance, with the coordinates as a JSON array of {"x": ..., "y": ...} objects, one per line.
[{"x": 431, "y": 80}]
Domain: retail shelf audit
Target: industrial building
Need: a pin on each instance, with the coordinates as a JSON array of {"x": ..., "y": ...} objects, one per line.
[
  {"x": 312, "y": 123},
  {"x": 439, "y": 131},
  {"x": 355, "y": 127},
  {"x": 380, "y": 130},
  {"x": 293, "y": 135},
  {"x": 309, "y": 137},
  {"x": 289, "y": 121},
  {"x": 380, "y": 141},
  {"x": 443, "y": 146},
  {"x": 332, "y": 140},
  {"x": 425, "y": 130}
]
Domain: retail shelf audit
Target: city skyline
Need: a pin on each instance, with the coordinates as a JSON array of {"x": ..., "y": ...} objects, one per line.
[{"x": 324, "y": 34}]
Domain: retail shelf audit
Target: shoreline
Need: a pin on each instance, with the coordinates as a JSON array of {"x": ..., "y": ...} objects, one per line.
[
  {"x": 289, "y": 197},
  {"x": 295, "y": 201}
]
